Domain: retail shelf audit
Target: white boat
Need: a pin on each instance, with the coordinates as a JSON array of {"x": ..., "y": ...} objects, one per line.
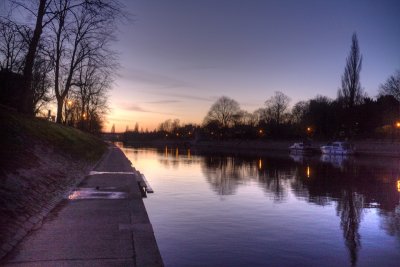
[
  {"x": 301, "y": 147},
  {"x": 338, "y": 148}
]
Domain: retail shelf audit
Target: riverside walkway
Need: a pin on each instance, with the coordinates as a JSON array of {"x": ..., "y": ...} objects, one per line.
[{"x": 102, "y": 222}]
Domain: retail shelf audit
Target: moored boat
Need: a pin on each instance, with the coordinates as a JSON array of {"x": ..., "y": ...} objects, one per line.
[
  {"x": 301, "y": 147},
  {"x": 338, "y": 148}
]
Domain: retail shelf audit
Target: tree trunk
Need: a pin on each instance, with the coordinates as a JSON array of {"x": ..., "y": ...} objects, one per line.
[
  {"x": 60, "y": 101},
  {"x": 27, "y": 105}
]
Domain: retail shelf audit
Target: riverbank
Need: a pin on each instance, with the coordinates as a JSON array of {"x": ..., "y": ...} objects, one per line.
[
  {"x": 258, "y": 147},
  {"x": 40, "y": 162},
  {"x": 101, "y": 222},
  {"x": 46, "y": 170}
]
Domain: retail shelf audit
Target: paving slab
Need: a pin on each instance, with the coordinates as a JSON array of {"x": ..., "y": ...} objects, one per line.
[{"x": 102, "y": 222}]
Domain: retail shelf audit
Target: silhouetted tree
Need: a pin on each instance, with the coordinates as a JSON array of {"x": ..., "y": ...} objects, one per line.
[
  {"x": 351, "y": 92},
  {"x": 166, "y": 126},
  {"x": 298, "y": 111},
  {"x": 391, "y": 86},
  {"x": 41, "y": 83},
  {"x": 91, "y": 84},
  {"x": 224, "y": 112},
  {"x": 79, "y": 34},
  {"x": 39, "y": 11},
  {"x": 320, "y": 114},
  {"x": 276, "y": 107},
  {"x": 81, "y": 28},
  {"x": 14, "y": 41},
  {"x": 13, "y": 46}
]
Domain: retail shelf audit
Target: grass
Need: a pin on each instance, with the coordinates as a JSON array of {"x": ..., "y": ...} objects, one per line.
[{"x": 19, "y": 133}]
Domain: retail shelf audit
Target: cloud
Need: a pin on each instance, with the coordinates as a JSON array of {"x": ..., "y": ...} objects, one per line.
[
  {"x": 163, "y": 102},
  {"x": 184, "y": 96},
  {"x": 133, "y": 107},
  {"x": 142, "y": 76},
  {"x": 137, "y": 108}
]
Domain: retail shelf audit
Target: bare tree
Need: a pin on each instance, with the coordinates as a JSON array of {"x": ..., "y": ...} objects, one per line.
[
  {"x": 80, "y": 34},
  {"x": 165, "y": 126},
  {"x": 276, "y": 107},
  {"x": 391, "y": 86},
  {"x": 54, "y": 13},
  {"x": 246, "y": 118},
  {"x": 351, "y": 92},
  {"x": 91, "y": 84},
  {"x": 41, "y": 83},
  {"x": 224, "y": 112},
  {"x": 28, "y": 93},
  {"x": 14, "y": 41},
  {"x": 13, "y": 46},
  {"x": 299, "y": 111}
]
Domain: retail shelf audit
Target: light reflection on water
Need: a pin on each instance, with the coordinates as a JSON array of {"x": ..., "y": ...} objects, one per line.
[{"x": 222, "y": 210}]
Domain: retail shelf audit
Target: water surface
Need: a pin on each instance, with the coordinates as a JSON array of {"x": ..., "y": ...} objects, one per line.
[{"x": 276, "y": 210}]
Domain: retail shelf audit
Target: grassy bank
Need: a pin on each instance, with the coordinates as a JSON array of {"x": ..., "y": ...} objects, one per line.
[
  {"x": 19, "y": 134},
  {"x": 39, "y": 162}
]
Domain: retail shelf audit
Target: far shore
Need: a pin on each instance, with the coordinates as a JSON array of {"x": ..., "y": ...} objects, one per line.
[{"x": 363, "y": 147}]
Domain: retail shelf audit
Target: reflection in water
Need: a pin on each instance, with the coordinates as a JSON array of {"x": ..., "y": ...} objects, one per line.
[
  {"x": 352, "y": 186},
  {"x": 224, "y": 175},
  {"x": 337, "y": 161},
  {"x": 350, "y": 208},
  {"x": 391, "y": 219}
]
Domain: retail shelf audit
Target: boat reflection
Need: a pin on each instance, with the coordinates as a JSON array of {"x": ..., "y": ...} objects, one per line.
[{"x": 337, "y": 161}]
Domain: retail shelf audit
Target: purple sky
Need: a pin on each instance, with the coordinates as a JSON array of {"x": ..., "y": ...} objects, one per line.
[{"x": 178, "y": 57}]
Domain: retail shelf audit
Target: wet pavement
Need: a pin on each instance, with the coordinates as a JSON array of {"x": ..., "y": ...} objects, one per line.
[{"x": 102, "y": 222}]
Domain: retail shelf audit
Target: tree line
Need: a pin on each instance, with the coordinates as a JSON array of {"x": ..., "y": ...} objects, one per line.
[
  {"x": 352, "y": 114},
  {"x": 60, "y": 53}
]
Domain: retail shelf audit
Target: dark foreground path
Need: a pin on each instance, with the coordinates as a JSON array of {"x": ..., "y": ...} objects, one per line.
[{"x": 103, "y": 222}]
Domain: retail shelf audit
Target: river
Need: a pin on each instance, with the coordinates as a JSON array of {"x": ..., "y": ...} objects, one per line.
[{"x": 271, "y": 210}]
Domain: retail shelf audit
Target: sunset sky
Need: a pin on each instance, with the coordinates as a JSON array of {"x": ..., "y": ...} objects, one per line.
[{"x": 178, "y": 57}]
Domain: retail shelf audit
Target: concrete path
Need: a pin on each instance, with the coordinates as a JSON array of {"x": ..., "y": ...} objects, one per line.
[{"x": 103, "y": 222}]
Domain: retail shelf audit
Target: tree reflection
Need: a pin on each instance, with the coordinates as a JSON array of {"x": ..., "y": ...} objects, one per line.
[
  {"x": 391, "y": 222},
  {"x": 351, "y": 185},
  {"x": 275, "y": 181},
  {"x": 224, "y": 174},
  {"x": 350, "y": 209}
]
